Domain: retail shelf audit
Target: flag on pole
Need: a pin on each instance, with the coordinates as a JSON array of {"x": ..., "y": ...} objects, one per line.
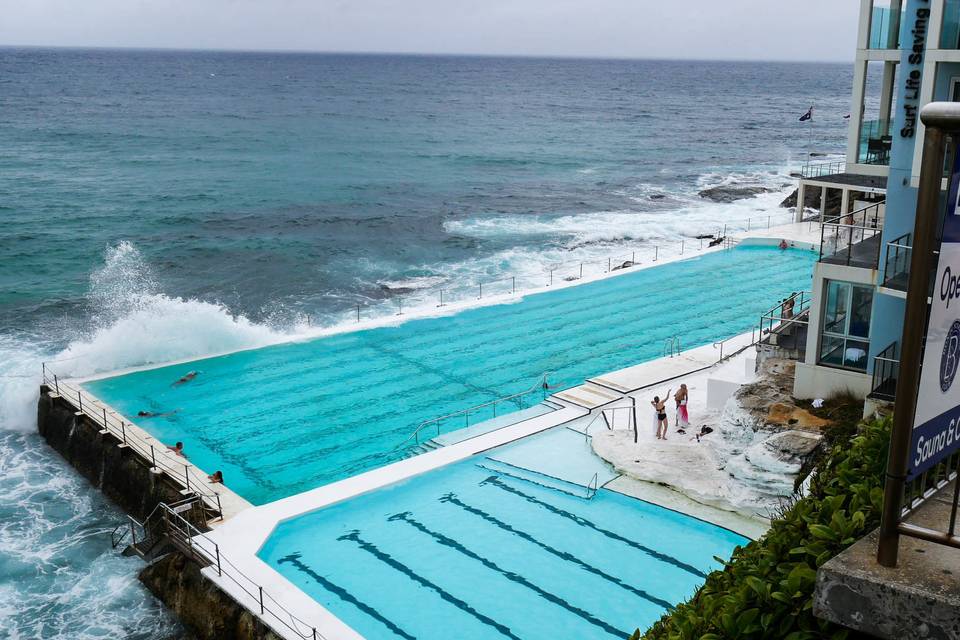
[{"x": 807, "y": 116}]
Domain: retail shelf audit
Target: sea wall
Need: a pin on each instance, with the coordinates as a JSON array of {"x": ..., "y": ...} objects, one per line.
[
  {"x": 127, "y": 480},
  {"x": 202, "y": 606},
  {"x": 117, "y": 471}
]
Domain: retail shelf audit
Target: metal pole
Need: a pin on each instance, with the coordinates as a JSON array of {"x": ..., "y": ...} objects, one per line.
[
  {"x": 123, "y": 430},
  {"x": 153, "y": 457},
  {"x": 633, "y": 258},
  {"x": 358, "y": 313},
  {"x": 186, "y": 475},
  {"x": 724, "y": 230},
  {"x": 681, "y": 246},
  {"x": 400, "y": 306},
  {"x": 634, "y": 407},
  {"x": 481, "y": 292},
  {"x": 581, "y": 271},
  {"x": 911, "y": 343},
  {"x": 609, "y": 263},
  {"x": 104, "y": 417},
  {"x": 768, "y": 222},
  {"x": 551, "y": 278},
  {"x": 80, "y": 401},
  {"x": 514, "y": 284},
  {"x": 56, "y": 383},
  {"x": 441, "y": 297},
  {"x": 216, "y": 548},
  {"x": 748, "y": 224},
  {"x": 656, "y": 252},
  {"x": 261, "y": 599}
]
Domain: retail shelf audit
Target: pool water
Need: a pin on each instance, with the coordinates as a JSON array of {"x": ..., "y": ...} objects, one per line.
[
  {"x": 469, "y": 553},
  {"x": 287, "y": 418}
]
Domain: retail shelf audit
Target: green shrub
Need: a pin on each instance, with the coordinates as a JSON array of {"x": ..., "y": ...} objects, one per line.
[{"x": 766, "y": 589}]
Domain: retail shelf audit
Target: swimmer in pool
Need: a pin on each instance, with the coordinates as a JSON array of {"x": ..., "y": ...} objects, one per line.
[
  {"x": 187, "y": 378},
  {"x": 178, "y": 449},
  {"x": 151, "y": 414}
]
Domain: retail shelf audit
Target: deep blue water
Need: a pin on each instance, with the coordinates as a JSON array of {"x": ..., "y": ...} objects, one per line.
[{"x": 160, "y": 205}]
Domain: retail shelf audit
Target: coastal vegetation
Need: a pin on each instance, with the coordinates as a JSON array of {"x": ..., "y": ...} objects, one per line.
[{"x": 766, "y": 589}]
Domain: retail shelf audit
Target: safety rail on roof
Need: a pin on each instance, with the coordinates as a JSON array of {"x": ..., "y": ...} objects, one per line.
[
  {"x": 853, "y": 239},
  {"x": 159, "y": 457}
]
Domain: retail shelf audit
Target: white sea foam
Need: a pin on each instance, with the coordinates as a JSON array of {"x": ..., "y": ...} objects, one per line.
[{"x": 133, "y": 325}]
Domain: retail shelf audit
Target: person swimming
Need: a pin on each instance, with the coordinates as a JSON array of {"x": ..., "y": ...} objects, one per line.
[
  {"x": 178, "y": 449},
  {"x": 151, "y": 414},
  {"x": 216, "y": 477},
  {"x": 187, "y": 378}
]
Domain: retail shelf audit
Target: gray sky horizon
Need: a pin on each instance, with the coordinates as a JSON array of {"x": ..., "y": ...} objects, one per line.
[{"x": 814, "y": 30}]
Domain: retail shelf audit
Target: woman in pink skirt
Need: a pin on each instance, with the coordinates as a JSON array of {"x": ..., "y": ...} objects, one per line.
[{"x": 680, "y": 397}]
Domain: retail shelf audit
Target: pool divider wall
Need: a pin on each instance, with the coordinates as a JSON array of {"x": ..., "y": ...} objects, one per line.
[{"x": 126, "y": 479}]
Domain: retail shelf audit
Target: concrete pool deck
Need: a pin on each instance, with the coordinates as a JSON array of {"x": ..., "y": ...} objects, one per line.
[{"x": 246, "y": 528}]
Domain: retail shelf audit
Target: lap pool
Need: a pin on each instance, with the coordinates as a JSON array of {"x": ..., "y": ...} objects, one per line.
[
  {"x": 473, "y": 552},
  {"x": 283, "y": 419}
]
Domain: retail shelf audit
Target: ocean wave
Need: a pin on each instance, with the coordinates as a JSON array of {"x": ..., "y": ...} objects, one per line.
[{"x": 132, "y": 324}]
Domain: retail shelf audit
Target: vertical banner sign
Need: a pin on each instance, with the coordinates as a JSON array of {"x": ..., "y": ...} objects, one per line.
[{"x": 936, "y": 426}]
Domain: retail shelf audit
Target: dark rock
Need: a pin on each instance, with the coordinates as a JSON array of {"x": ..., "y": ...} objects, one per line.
[
  {"x": 201, "y": 605},
  {"x": 811, "y": 200},
  {"x": 657, "y": 196},
  {"x": 731, "y": 194}
]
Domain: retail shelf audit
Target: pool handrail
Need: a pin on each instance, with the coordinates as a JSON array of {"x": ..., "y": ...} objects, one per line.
[
  {"x": 194, "y": 543},
  {"x": 541, "y": 385}
]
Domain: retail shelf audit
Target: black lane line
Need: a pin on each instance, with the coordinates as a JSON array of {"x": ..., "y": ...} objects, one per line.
[
  {"x": 510, "y": 575},
  {"x": 346, "y": 596},
  {"x": 369, "y": 547},
  {"x": 563, "y": 555},
  {"x": 583, "y": 522}
]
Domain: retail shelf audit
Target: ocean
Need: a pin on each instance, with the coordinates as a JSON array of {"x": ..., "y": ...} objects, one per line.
[{"x": 160, "y": 205}]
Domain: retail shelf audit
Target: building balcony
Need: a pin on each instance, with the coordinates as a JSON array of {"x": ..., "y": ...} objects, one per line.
[
  {"x": 886, "y": 371},
  {"x": 875, "y": 142},
  {"x": 896, "y": 269},
  {"x": 853, "y": 239}
]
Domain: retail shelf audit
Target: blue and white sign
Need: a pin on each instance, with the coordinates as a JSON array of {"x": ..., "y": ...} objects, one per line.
[{"x": 936, "y": 426}]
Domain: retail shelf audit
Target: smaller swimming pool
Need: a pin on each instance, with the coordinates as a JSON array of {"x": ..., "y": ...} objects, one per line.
[{"x": 481, "y": 549}]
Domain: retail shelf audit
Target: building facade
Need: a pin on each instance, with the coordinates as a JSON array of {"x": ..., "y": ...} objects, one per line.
[{"x": 908, "y": 54}]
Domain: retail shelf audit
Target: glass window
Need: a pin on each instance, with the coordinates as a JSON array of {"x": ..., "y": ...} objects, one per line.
[{"x": 845, "y": 330}]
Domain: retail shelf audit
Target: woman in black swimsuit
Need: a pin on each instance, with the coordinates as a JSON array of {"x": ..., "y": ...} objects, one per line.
[{"x": 660, "y": 408}]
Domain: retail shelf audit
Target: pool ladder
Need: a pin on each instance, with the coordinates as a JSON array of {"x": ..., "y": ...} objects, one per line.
[{"x": 671, "y": 346}]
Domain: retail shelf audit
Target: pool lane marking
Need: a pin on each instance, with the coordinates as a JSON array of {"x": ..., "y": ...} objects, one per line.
[
  {"x": 509, "y": 575},
  {"x": 369, "y": 547},
  {"x": 346, "y": 596},
  {"x": 583, "y": 522},
  {"x": 451, "y": 498}
]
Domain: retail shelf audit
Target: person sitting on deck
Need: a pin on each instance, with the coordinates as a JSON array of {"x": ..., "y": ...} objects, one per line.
[
  {"x": 216, "y": 477},
  {"x": 178, "y": 449}
]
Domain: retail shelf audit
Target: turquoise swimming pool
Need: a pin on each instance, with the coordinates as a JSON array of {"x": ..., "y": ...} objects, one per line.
[
  {"x": 291, "y": 417},
  {"x": 472, "y": 553}
]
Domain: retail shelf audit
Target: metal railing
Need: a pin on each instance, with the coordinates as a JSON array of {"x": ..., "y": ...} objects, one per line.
[
  {"x": 610, "y": 422},
  {"x": 886, "y": 371},
  {"x": 821, "y": 169},
  {"x": 896, "y": 265},
  {"x": 852, "y": 239},
  {"x": 516, "y": 398},
  {"x": 184, "y": 474},
  {"x": 571, "y": 271},
  {"x": 167, "y": 521},
  {"x": 788, "y": 319},
  {"x": 671, "y": 346},
  {"x": 593, "y": 486}
]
